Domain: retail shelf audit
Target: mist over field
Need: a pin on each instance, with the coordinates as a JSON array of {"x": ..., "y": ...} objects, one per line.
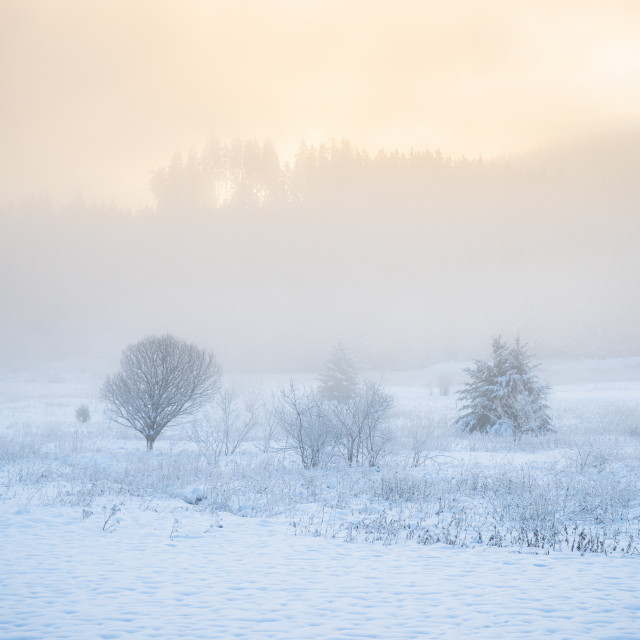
[{"x": 408, "y": 259}]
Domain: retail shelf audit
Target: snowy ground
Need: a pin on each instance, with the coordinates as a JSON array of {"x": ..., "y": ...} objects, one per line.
[
  {"x": 162, "y": 568},
  {"x": 63, "y": 577}
]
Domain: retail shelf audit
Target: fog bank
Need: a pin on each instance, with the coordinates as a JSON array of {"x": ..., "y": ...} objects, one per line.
[{"x": 407, "y": 261}]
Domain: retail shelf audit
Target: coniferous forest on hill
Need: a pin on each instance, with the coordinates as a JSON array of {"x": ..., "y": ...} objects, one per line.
[{"x": 407, "y": 257}]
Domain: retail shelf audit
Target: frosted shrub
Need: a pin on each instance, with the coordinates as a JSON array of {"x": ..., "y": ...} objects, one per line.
[
  {"x": 268, "y": 429},
  {"x": 302, "y": 416},
  {"x": 585, "y": 453},
  {"x": 225, "y": 426},
  {"x": 361, "y": 423},
  {"x": 445, "y": 380},
  {"x": 420, "y": 436},
  {"x": 83, "y": 415}
]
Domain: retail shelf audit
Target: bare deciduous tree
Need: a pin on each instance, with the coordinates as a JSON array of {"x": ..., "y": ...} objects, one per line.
[
  {"x": 161, "y": 379},
  {"x": 301, "y": 415}
]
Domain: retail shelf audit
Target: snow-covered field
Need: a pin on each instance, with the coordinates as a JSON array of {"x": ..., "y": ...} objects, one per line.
[
  {"x": 63, "y": 577},
  {"x": 484, "y": 539}
]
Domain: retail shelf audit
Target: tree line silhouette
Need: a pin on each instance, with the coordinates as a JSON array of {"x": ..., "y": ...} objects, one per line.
[{"x": 250, "y": 174}]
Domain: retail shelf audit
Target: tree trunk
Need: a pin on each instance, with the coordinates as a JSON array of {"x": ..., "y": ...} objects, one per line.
[{"x": 150, "y": 441}]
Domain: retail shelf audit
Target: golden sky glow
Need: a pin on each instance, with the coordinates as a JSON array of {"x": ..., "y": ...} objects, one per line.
[{"x": 95, "y": 94}]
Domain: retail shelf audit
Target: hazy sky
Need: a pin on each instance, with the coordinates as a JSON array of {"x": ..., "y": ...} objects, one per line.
[{"x": 95, "y": 94}]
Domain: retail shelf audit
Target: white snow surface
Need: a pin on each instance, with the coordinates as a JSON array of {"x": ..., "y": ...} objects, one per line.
[{"x": 62, "y": 576}]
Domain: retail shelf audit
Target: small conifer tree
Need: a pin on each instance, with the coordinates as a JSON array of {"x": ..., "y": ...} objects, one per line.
[
  {"x": 339, "y": 379},
  {"x": 505, "y": 396}
]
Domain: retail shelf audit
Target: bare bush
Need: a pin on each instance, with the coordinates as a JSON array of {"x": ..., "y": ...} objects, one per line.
[
  {"x": 420, "y": 435},
  {"x": 225, "y": 427},
  {"x": 375, "y": 405},
  {"x": 360, "y": 428},
  {"x": 586, "y": 453},
  {"x": 445, "y": 380},
  {"x": 302, "y": 416},
  {"x": 269, "y": 427}
]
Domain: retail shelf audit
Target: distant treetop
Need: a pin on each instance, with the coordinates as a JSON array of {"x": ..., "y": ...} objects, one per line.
[{"x": 339, "y": 378}]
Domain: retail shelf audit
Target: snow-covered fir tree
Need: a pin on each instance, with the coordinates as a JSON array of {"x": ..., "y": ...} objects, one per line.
[
  {"x": 505, "y": 396},
  {"x": 339, "y": 379}
]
